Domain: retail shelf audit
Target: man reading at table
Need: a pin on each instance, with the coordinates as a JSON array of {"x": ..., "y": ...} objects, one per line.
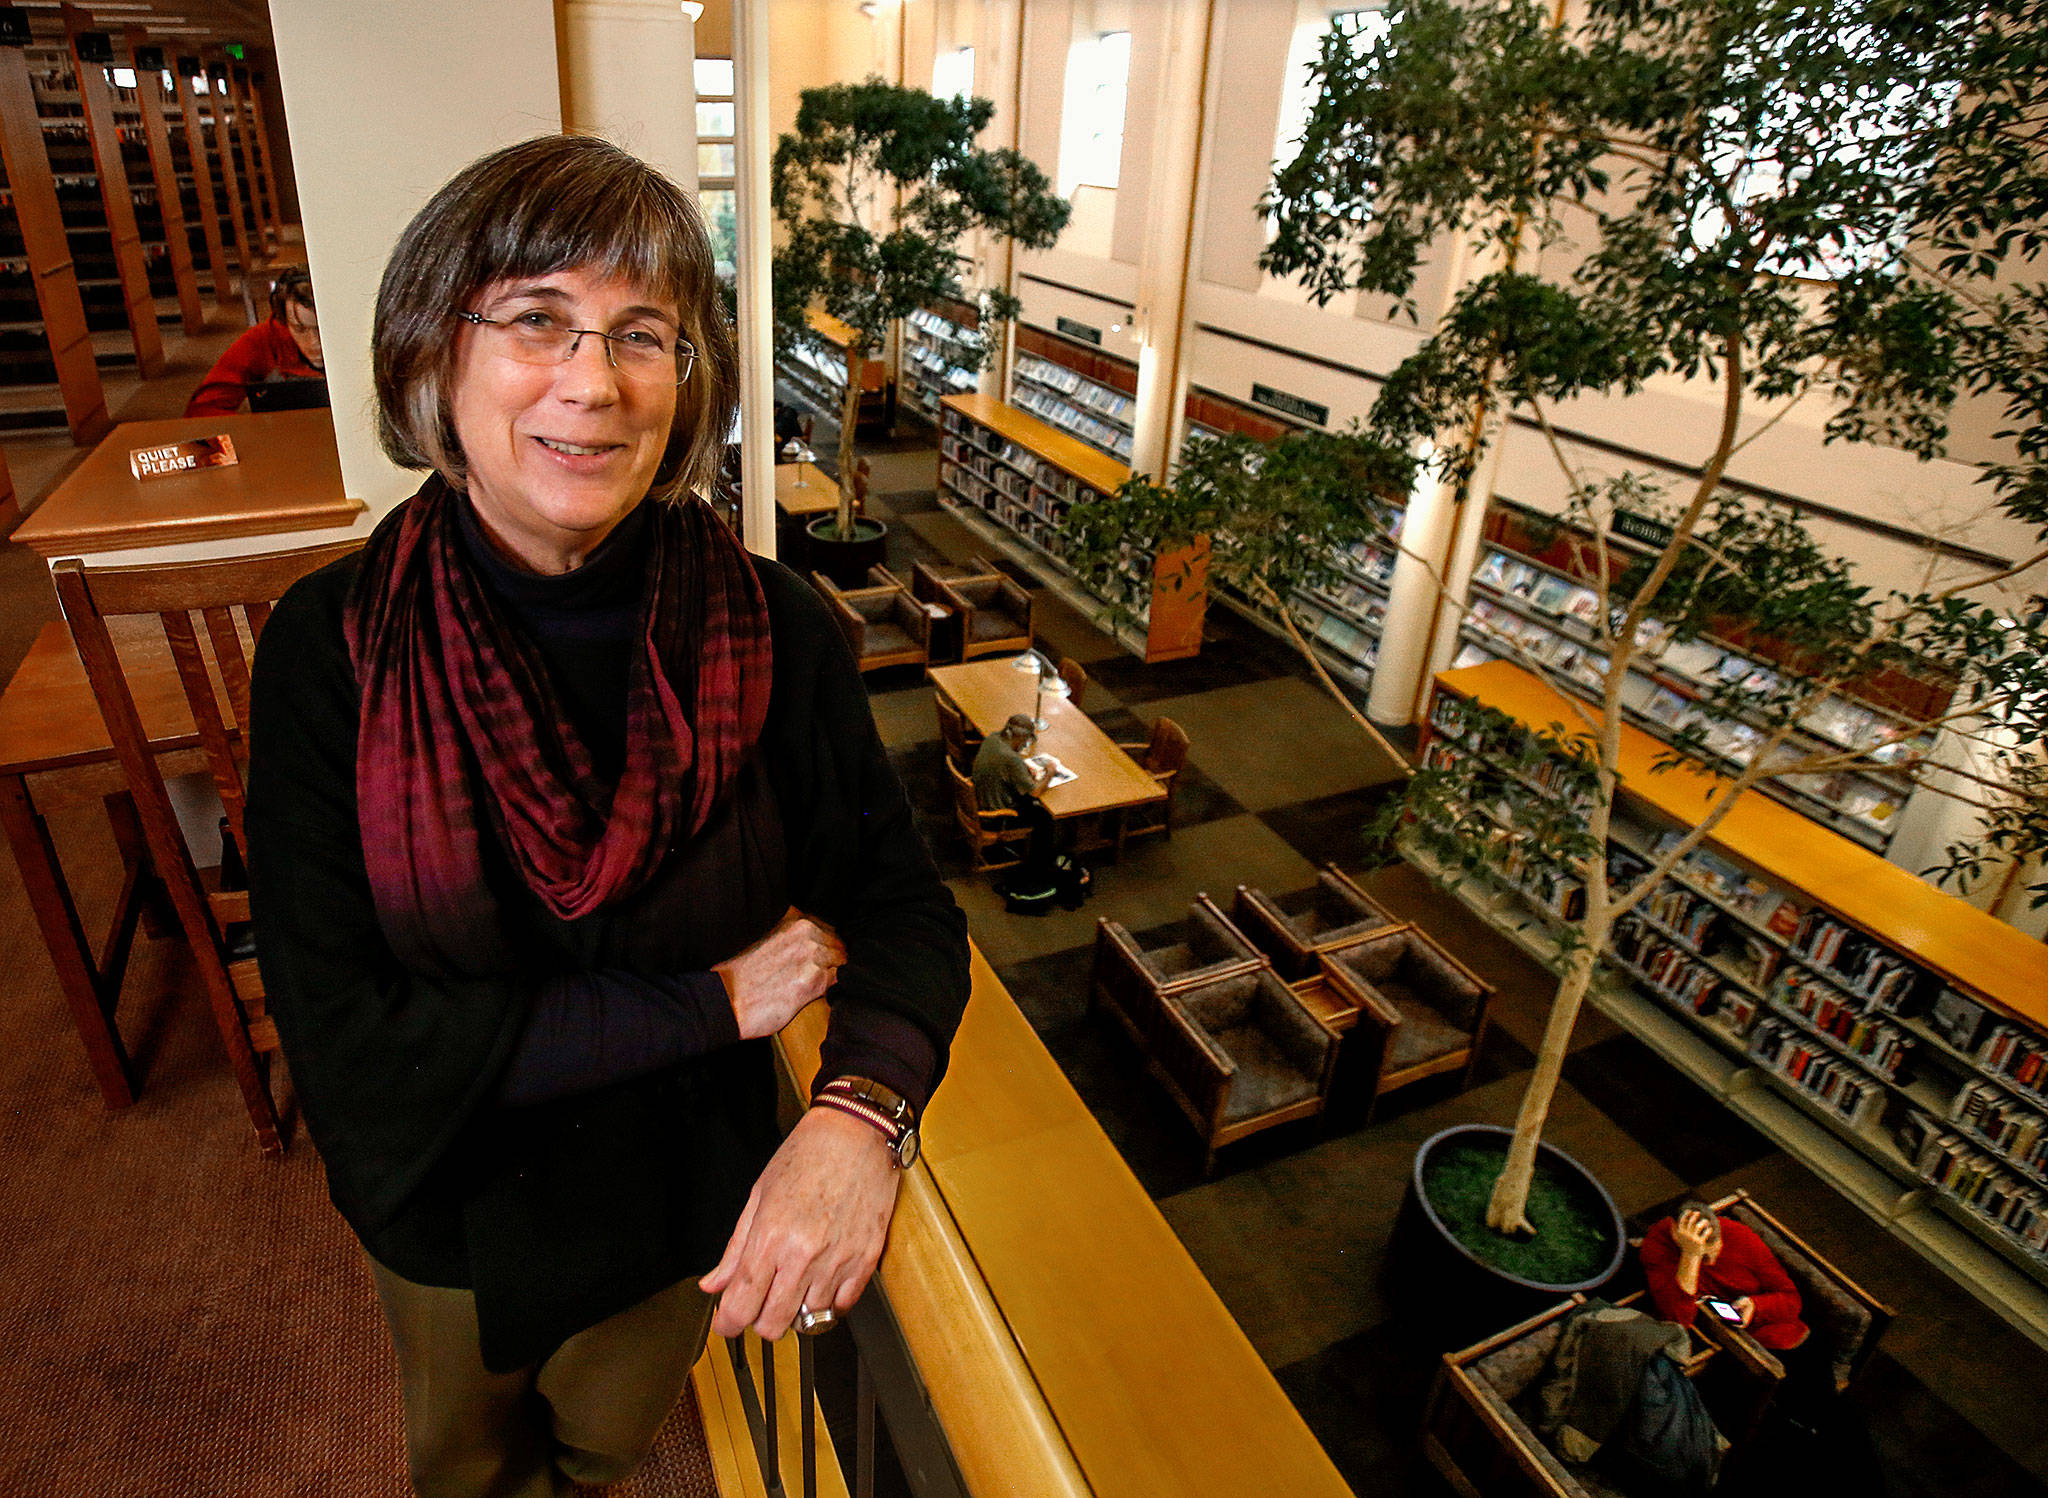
[{"x": 1003, "y": 782}]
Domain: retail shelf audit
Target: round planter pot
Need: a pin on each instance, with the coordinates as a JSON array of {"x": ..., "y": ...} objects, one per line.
[
  {"x": 846, "y": 562},
  {"x": 1455, "y": 1296}
]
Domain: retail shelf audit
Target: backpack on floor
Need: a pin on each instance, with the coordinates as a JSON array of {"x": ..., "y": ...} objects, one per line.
[
  {"x": 1030, "y": 896},
  {"x": 1074, "y": 882}
]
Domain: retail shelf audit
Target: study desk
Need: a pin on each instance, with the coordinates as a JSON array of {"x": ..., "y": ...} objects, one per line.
[
  {"x": 1106, "y": 778},
  {"x": 288, "y": 478},
  {"x": 803, "y": 490}
]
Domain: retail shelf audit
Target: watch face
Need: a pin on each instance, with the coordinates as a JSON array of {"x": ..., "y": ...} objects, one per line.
[{"x": 907, "y": 1148}]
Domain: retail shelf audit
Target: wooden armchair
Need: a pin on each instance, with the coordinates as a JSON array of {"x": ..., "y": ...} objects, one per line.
[
  {"x": 1200, "y": 948},
  {"x": 213, "y": 918},
  {"x": 1293, "y": 929},
  {"x": 1001, "y": 830},
  {"x": 884, "y": 626},
  {"x": 1163, "y": 756},
  {"x": 1848, "y": 1317},
  {"x": 1239, "y": 1054},
  {"x": 1075, "y": 677},
  {"x": 995, "y": 614},
  {"x": 1421, "y": 1012},
  {"x": 1474, "y": 1433},
  {"x": 959, "y": 735}
]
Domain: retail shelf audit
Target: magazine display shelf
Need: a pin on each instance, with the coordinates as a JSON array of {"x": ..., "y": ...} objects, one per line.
[
  {"x": 1890, "y": 1036},
  {"x": 940, "y": 356},
  {"x": 1012, "y": 478},
  {"x": 821, "y": 376}
]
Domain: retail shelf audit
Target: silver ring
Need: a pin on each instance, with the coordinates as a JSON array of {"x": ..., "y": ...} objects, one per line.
[{"x": 809, "y": 1322}]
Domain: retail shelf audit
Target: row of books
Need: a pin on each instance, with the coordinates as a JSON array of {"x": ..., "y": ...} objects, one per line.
[
  {"x": 1827, "y": 1078},
  {"x": 1667, "y": 967},
  {"x": 1534, "y": 642},
  {"x": 1686, "y": 913},
  {"x": 2019, "y": 1057},
  {"x": 1855, "y": 962},
  {"x": 942, "y": 371},
  {"x": 1948, "y": 1162},
  {"x": 929, "y": 322},
  {"x": 1878, "y": 1044},
  {"x": 1993, "y": 1116},
  {"x": 1543, "y": 589},
  {"x": 968, "y": 438},
  {"x": 1116, "y": 441}
]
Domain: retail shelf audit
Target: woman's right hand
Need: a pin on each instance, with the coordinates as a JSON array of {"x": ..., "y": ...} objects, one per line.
[
  {"x": 781, "y": 973},
  {"x": 1692, "y": 1234}
]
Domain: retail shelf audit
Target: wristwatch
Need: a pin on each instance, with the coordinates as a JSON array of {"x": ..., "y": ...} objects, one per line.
[{"x": 883, "y": 1107}]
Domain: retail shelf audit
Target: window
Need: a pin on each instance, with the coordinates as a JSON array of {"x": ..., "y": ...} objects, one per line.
[
  {"x": 715, "y": 165},
  {"x": 1364, "y": 28},
  {"x": 1098, "y": 86},
  {"x": 953, "y": 74}
]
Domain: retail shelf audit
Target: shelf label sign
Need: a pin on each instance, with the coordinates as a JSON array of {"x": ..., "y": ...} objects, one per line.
[
  {"x": 1290, "y": 405},
  {"x": 13, "y": 27},
  {"x": 1079, "y": 330},
  {"x": 182, "y": 457},
  {"x": 1641, "y": 528}
]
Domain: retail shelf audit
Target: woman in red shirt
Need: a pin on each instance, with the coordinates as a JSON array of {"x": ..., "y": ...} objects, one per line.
[
  {"x": 284, "y": 346},
  {"x": 1697, "y": 1255}
]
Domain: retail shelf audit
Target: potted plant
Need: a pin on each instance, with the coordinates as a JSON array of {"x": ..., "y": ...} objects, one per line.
[
  {"x": 877, "y": 191},
  {"x": 1829, "y": 205}
]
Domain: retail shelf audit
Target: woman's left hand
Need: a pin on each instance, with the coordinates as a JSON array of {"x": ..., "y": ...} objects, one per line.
[{"x": 813, "y": 1229}]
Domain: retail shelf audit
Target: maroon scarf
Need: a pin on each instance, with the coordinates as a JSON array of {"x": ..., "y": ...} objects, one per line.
[{"x": 461, "y": 727}]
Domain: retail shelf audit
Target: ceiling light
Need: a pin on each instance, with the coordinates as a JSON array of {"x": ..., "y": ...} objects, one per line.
[{"x": 693, "y": 10}]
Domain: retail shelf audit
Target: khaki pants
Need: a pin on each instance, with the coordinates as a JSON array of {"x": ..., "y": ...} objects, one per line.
[{"x": 589, "y": 1413}]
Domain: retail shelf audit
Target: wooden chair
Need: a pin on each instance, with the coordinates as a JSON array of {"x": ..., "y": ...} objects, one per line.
[
  {"x": 1421, "y": 1012},
  {"x": 217, "y": 591},
  {"x": 1199, "y": 949},
  {"x": 985, "y": 829},
  {"x": 1163, "y": 756},
  {"x": 1294, "y": 928},
  {"x": 884, "y": 626},
  {"x": 1075, "y": 678},
  {"x": 1474, "y": 1434},
  {"x": 960, "y": 738},
  {"x": 996, "y": 615}
]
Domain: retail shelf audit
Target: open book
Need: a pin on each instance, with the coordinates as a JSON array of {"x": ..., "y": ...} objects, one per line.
[{"x": 1060, "y": 773}]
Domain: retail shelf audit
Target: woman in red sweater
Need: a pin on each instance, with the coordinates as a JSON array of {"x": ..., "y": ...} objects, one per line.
[
  {"x": 1696, "y": 1255},
  {"x": 284, "y": 346}
]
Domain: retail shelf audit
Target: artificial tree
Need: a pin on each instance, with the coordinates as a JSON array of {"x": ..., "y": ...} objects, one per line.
[
  {"x": 875, "y": 191},
  {"x": 1836, "y": 205}
]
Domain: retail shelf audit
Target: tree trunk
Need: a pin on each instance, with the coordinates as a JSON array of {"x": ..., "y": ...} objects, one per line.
[
  {"x": 1507, "y": 1212},
  {"x": 849, "y": 417}
]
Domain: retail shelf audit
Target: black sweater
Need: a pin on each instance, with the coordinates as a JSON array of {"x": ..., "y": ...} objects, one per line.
[{"x": 560, "y": 1214}]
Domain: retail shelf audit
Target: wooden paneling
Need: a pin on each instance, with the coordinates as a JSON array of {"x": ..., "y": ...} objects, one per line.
[
  {"x": 48, "y": 251},
  {"x": 149, "y": 96},
  {"x": 202, "y": 183},
  {"x": 129, "y": 265},
  {"x": 1951, "y": 938},
  {"x": 1091, "y": 364}
]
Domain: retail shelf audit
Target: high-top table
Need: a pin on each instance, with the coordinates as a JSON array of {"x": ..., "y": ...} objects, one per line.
[
  {"x": 288, "y": 479},
  {"x": 1106, "y": 778}
]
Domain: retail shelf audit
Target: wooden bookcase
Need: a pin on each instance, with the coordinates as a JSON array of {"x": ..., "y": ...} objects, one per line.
[
  {"x": 1010, "y": 478},
  {"x": 822, "y": 376},
  {"x": 1080, "y": 391},
  {"x": 1891, "y": 1036},
  {"x": 939, "y": 343}
]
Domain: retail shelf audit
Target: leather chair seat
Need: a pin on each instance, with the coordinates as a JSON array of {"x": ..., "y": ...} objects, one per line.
[
  {"x": 887, "y": 639},
  {"x": 988, "y": 626}
]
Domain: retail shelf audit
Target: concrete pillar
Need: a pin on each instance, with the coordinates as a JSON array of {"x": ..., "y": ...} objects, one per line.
[
  {"x": 626, "y": 75},
  {"x": 753, "y": 145},
  {"x": 1168, "y": 246},
  {"x": 387, "y": 100}
]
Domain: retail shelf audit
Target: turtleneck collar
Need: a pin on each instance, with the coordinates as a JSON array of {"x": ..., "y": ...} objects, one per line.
[{"x": 610, "y": 577}]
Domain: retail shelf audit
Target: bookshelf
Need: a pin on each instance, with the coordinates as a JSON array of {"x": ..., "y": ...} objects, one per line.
[
  {"x": 1012, "y": 478},
  {"x": 1527, "y": 607},
  {"x": 821, "y": 374},
  {"x": 941, "y": 356},
  {"x": 1078, "y": 391},
  {"x": 1829, "y": 997}
]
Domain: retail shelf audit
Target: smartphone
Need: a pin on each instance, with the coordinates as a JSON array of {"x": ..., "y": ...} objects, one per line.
[{"x": 1724, "y": 1310}]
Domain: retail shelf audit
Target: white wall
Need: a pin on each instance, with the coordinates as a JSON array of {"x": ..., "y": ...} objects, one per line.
[
  {"x": 626, "y": 75},
  {"x": 387, "y": 100}
]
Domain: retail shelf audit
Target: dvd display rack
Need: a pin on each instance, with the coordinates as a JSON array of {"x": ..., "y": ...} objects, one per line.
[
  {"x": 1922, "y": 1050},
  {"x": 1525, "y": 609},
  {"x": 1012, "y": 479},
  {"x": 1080, "y": 391},
  {"x": 941, "y": 356}
]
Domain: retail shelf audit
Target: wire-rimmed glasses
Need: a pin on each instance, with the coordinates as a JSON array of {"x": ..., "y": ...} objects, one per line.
[{"x": 641, "y": 353}]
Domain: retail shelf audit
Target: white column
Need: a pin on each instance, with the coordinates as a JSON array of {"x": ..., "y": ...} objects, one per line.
[
  {"x": 1412, "y": 600},
  {"x": 627, "y": 76},
  {"x": 386, "y": 100},
  {"x": 1169, "y": 235},
  {"x": 757, "y": 341}
]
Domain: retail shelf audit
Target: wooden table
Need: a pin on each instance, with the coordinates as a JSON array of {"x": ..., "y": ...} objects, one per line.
[
  {"x": 55, "y": 748},
  {"x": 817, "y": 496},
  {"x": 288, "y": 479},
  {"x": 989, "y": 691}
]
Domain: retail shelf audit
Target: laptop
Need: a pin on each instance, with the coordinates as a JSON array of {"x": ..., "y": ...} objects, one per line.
[{"x": 287, "y": 395}]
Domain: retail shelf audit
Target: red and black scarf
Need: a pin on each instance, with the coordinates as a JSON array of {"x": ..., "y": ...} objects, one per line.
[{"x": 461, "y": 728}]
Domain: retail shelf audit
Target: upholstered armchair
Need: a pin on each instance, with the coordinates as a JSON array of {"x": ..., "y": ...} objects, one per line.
[
  {"x": 885, "y": 626},
  {"x": 1421, "y": 1012},
  {"x": 1198, "y": 949},
  {"x": 1848, "y": 1318},
  {"x": 995, "y": 614},
  {"x": 1293, "y": 928},
  {"x": 1252, "y": 1057}
]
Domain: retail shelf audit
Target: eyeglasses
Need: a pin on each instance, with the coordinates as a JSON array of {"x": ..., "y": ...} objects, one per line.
[{"x": 645, "y": 354}]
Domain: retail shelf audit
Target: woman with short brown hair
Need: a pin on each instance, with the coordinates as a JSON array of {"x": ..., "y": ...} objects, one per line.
[{"x": 560, "y": 804}]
